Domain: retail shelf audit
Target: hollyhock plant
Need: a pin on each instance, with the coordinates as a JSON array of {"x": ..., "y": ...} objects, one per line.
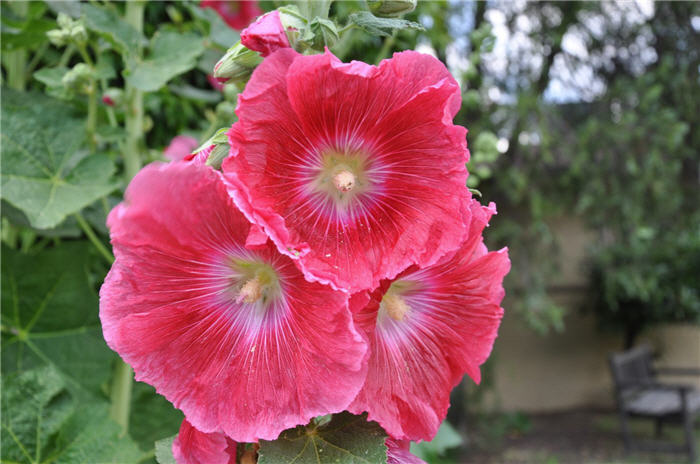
[
  {"x": 236, "y": 13},
  {"x": 426, "y": 329},
  {"x": 266, "y": 34},
  {"x": 205, "y": 309},
  {"x": 355, "y": 171}
]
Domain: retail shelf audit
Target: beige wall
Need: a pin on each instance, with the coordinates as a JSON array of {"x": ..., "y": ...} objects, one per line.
[{"x": 569, "y": 370}]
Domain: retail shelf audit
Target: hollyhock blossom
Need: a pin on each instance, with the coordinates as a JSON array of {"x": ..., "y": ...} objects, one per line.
[
  {"x": 354, "y": 170},
  {"x": 426, "y": 329},
  {"x": 194, "y": 447},
  {"x": 266, "y": 35},
  {"x": 215, "y": 318},
  {"x": 236, "y": 13},
  {"x": 180, "y": 146},
  {"x": 398, "y": 452}
]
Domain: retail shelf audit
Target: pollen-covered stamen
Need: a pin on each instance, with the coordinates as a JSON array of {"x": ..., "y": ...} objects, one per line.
[
  {"x": 344, "y": 180},
  {"x": 251, "y": 291},
  {"x": 395, "y": 306}
]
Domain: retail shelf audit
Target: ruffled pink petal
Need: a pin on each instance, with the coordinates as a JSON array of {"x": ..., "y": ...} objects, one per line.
[
  {"x": 236, "y": 13},
  {"x": 449, "y": 331},
  {"x": 194, "y": 447},
  {"x": 180, "y": 146},
  {"x": 266, "y": 35},
  {"x": 297, "y": 107},
  {"x": 398, "y": 452},
  {"x": 245, "y": 369}
]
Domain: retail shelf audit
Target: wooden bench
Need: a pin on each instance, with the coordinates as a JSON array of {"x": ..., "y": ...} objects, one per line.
[{"x": 639, "y": 394}]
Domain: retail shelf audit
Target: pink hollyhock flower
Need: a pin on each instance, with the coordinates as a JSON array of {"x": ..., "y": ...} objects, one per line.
[
  {"x": 398, "y": 452},
  {"x": 426, "y": 329},
  {"x": 266, "y": 35},
  {"x": 194, "y": 447},
  {"x": 222, "y": 324},
  {"x": 236, "y": 13},
  {"x": 355, "y": 170},
  {"x": 180, "y": 146}
]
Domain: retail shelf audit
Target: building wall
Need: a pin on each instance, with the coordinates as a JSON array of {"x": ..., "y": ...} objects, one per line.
[{"x": 567, "y": 370}]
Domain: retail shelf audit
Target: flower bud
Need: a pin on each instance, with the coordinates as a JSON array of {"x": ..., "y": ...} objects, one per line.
[
  {"x": 64, "y": 21},
  {"x": 225, "y": 110},
  {"x": 391, "y": 8},
  {"x": 58, "y": 37},
  {"x": 293, "y": 22},
  {"x": 237, "y": 64},
  {"x": 113, "y": 96},
  {"x": 78, "y": 78},
  {"x": 325, "y": 33},
  {"x": 78, "y": 34}
]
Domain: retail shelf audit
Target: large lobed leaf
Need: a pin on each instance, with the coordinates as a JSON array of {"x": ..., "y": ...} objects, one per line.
[
  {"x": 107, "y": 23},
  {"x": 345, "y": 439},
  {"x": 44, "y": 171},
  {"x": 49, "y": 316},
  {"x": 42, "y": 422},
  {"x": 172, "y": 54}
]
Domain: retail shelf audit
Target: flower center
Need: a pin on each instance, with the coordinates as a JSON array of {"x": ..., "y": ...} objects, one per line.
[
  {"x": 344, "y": 180},
  {"x": 254, "y": 282},
  {"x": 395, "y": 306}
]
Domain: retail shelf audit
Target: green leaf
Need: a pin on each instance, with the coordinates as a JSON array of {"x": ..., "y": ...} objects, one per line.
[
  {"x": 172, "y": 54},
  {"x": 43, "y": 422},
  {"x": 164, "y": 451},
  {"x": 107, "y": 23},
  {"x": 51, "y": 77},
  {"x": 44, "y": 172},
  {"x": 346, "y": 439},
  {"x": 219, "y": 32},
  {"x": 25, "y": 32},
  {"x": 50, "y": 316},
  {"x": 382, "y": 26},
  {"x": 445, "y": 439},
  {"x": 152, "y": 416}
]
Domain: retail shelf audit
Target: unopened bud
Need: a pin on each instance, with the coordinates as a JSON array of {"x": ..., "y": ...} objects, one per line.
[
  {"x": 78, "y": 78},
  {"x": 325, "y": 33},
  {"x": 237, "y": 64},
  {"x": 78, "y": 34},
  {"x": 391, "y": 8},
  {"x": 64, "y": 21},
  {"x": 113, "y": 96},
  {"x": 58, "y": 37}
]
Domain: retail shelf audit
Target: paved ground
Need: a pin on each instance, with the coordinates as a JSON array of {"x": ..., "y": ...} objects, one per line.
[{"x": 579, "y": 437}]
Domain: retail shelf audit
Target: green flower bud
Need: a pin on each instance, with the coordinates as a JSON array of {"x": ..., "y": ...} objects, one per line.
[
  {"x": 391, "y": 8},
  {"x": 58, "y": 37},
  {"x": 325, "y": 33},
  {"x": 237, "y": 64},
  {"x": 78, "y": 34},
  {"x": 113, "y": 96},
  {"x": 216, "y": 157},
  {"x": 78, "y": 78},
  {"x": 231, "y": 92},
  {"x": 64, "y": 21},
  {"x": 225, "y": 110}
]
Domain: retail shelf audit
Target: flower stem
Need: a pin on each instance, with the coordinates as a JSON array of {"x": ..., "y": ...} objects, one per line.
[
  {"x": 134, "y": 102},
  {"x": 122, "y": 380},
  {"x": 386, "y": 48},
  {"x": 92, "y": 236},
  {"x": 121, "y": 395},
  {"x": 16, "y": 60}
]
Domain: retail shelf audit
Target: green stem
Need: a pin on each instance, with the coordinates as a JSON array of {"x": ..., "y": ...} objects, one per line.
[
  {"x": 121, "y": 394},
  {"x": 16, "y": 61},
  {"x": 386, "y": 48},
  {"x": 122, "y": 380},
  {"x": 134, "y": 102},
  {"x": 67, "y": 55},
  {"x": 92, "y": 114},
  {"x": 92, "y": 236}
]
